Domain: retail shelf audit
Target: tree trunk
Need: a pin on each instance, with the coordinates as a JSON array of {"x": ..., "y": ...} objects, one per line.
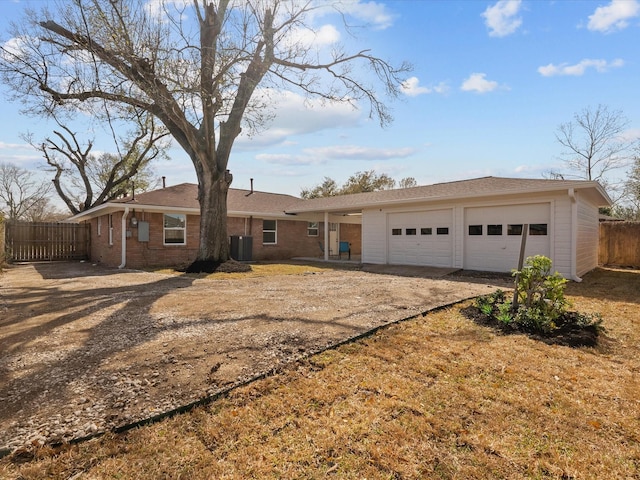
[{"x": 214, "y": 241}]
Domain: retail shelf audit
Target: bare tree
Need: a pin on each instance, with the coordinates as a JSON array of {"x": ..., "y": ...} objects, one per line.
[
  {"x": 197, "y": 71},
  {"x": 44, "y": 211},
  {"x": 630, "y": 207},
  {"x": 594, "y": 145},
  {"x": 84, "y": 179},
  {"x": 20, "y": 192}
]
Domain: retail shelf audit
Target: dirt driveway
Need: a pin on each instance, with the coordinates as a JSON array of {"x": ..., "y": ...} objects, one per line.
[{"x": 84, "y": 349}]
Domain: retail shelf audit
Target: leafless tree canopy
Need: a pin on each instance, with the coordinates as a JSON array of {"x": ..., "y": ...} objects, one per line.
[
  {"x": 22, "y": 196},
  {"x": 84, "y": 179},
  {"x": 594, "y": 145},
  {"x": 196, "y": 68}
]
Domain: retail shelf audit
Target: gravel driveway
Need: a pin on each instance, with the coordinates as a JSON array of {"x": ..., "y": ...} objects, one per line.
[{"x": 85, "y": 349}]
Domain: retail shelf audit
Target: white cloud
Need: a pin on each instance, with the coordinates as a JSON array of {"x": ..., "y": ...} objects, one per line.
[
  {"x": 322, "y": 155},
  {"x": 412, "y": 88},
  {"x": 580, "y": 68},
  {"x": 614, "y": 16},
  {"x": 297, "y": 115},
  {"x": 373, "y": 13},
  {"x": 357, "y": 152},
  {"x": 631, "y": 135},
  {"x": 325, "y": 35},
  {"x": 478, "y": 83},
  {"x": 287, "y": 159},
  {"x": 502, "y": 18},
  {"x": 15, "y": 146}
]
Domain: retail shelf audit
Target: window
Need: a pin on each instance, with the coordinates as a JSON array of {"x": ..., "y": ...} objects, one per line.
[
  {"x": 514, "y": 229},
  {"x": 426, "y": 231},
  {"x": 538, "y": 229},
  {"x": 494, "y": 229},
  {"x": 396, "y": 231},
  {"x": 442, "y": 230},
  {"x": 99, "y": 226},
  {"x": 475, "y": 229},
  {"x": 410, "y": 231},
  {"x": 312, "y": 229},
  {"x": 269, "y": 231},
  {"x": 175, "y": 229},
  {"x": 110, "y": 229}
]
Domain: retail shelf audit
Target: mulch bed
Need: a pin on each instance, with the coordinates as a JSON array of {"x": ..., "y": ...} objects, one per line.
[{"x": 568, "y": 333}]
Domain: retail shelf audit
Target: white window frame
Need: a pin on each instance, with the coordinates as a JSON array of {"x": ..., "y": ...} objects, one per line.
[
  {"x": 311, "y": 227},
  {"x": 111, "y": 229},
  {"x": 275, "y": 232},
  {"x": 99, "y": 226},
  {"x": 174, "y": 229}
]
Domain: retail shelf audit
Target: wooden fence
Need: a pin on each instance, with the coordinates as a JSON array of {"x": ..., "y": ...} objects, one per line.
[
  {"x": 39, "y": 241},
  {"x": 2, "y": 228},
  {"x": 619, "y": 244}
]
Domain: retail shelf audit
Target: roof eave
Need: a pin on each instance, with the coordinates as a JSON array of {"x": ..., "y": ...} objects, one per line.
[{"x": 407, "y": 201}]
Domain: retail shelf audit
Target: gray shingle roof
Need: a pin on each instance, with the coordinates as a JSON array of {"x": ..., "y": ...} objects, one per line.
[
  {"x": 243, "y": 202},
  {"x": 185, "y": 195},
  {"x": 477, "y": 187}
]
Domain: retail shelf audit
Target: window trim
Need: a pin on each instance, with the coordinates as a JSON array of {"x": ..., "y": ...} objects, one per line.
[
  {"x": 538, "y": 227},
  {"x": 513, "y": 227},
  {"x": 310, "y": 228},
  {"x": 111, "y": 229},
  {"x": 165, "y": 228},
  {"x": 475, "y": 230},
  {"x": 494, "y": 230},
  {"x": 274, "y": 231}
]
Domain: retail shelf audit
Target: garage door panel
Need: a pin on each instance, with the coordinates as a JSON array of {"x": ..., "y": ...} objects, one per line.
[
  {"x": 414, "y": 238},
  {"x": 500, "y": 253}
]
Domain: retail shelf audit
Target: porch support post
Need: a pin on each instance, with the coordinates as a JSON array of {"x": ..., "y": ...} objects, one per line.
[{"x": 326, "y": 236}]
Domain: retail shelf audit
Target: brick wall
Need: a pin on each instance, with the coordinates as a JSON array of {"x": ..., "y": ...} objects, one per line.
[{"x": 293, "y": 240}]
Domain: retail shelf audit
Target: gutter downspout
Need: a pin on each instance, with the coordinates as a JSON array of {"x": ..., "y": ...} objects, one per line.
[
  {"x": 574, "y": 235},
  {"x": 123, "y": 246}
]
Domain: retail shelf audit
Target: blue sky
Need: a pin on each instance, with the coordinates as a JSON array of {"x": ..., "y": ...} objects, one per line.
[{"x": 491, "y": 83}]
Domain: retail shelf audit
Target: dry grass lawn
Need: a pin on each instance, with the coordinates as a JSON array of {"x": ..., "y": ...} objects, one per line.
[{"x": 433, "y": 397}]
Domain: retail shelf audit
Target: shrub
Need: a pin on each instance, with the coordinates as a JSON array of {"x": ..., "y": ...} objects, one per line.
[{"x": 539, "y": 304}]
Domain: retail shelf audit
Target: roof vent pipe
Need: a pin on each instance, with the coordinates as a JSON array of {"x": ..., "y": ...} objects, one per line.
[
  {"x": 164, "y": 180},
  {"x": 251, "y": 191}
]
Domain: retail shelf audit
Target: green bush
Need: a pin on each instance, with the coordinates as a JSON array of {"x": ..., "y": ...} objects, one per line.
[
  {"x": 538, "y": 303},
  {"x": 539, "y": 294}
]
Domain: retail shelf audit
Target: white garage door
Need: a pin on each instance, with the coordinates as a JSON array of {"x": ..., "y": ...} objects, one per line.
[
  {"x": 421, "y": 238},
  {"x": 493, "y": 235}
]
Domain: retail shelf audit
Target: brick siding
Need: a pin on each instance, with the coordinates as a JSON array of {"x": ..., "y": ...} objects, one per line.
[{"x": 292, "y": 241}]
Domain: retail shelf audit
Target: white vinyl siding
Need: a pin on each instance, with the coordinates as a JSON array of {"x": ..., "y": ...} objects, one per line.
[
  {"x": 588, "y": 237},
  {"x": 374, "y": 244},
  {"x": 490, "y": 252}
]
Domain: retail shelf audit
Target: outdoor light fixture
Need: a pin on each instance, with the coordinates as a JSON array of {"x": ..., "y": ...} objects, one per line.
[{"x": 134, "y": 220}]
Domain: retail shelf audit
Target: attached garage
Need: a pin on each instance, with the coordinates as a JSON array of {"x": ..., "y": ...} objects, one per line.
[
  {"x": 493, "y": 235},
  {"x": 421, "y": 238},
  {"x": 476, "y": 224}
]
